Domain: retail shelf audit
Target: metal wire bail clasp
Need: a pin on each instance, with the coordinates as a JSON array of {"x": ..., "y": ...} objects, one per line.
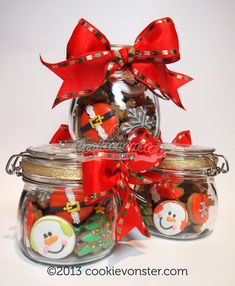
[
  {"x": 13, "y": 166},
  {"x": 221, "y": 165}
]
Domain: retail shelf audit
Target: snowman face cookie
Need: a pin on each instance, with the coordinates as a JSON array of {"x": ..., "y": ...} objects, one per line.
[
  {"x": 52, "y": 237},
  {"x": 170, "y": 217}
]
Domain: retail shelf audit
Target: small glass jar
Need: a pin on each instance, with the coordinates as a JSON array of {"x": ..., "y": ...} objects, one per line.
[
  {"x": 55, "y": 226},
  {"x": 183, "y": 204},
  {"x": 122, "y": 104}
]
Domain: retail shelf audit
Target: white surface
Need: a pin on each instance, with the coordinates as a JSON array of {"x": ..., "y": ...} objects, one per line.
[{"x": 28, "y": 89}]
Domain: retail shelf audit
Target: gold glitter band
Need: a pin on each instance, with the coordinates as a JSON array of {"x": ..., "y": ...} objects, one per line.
[
  {"x": 187, "y": 164},
  {"x": 51, "y": 172}
]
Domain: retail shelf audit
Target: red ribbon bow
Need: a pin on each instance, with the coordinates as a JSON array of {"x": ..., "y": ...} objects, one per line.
[
  {"x": 108, "y": 173},
  {"x": 183, "y": 137},
  {"x": 90, "y": 61},
  {"x": 169, "y": 188}
]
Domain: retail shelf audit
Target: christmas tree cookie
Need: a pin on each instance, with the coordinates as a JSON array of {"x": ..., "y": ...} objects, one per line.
[{"x": 95, "y": 234}]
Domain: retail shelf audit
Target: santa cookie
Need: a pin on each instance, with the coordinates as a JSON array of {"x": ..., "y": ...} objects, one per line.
[
  {"x": 69, "y": 204},
  {"x": 198, "y": 205},
  {"x": 170, "y": 217},
  {"x": 98, "y": 122},
  {"x": 52, "y": 237}
]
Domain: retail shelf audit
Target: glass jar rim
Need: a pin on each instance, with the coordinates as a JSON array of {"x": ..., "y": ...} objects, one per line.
[
  {"x": 119, "y": 46},
  {"x": 186, "y": 150},
  {"x": 60, "y": 151}
]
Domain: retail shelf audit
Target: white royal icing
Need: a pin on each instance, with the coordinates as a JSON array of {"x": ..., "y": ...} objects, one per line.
[
  {"x": 170, "y": 217},
  {"x": 52, "y": 237}
]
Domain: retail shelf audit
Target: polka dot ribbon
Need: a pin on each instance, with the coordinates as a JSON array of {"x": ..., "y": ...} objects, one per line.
[
  {"x": 107, "y": 173},
  {"x": 90, "y": 61}
]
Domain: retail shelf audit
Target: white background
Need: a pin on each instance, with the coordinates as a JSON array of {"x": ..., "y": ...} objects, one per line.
[{"x": 28, "y": 89}]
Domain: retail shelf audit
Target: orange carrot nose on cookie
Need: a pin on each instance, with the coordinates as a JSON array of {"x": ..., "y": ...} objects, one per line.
[
  {"x": 170, "y": 219},
  {"x": 50, "y": 240}
]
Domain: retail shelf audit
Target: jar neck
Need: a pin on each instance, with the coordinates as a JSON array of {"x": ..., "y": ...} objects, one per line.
[{"x": 115, "y": 47}]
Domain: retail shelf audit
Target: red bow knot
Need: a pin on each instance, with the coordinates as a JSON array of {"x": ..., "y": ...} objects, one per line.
[
  {"x": 90, "y": 61},
  {"x": 107, "y": 173}
]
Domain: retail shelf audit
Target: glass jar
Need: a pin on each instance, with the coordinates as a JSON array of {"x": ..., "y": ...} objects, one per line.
[
  {"x": 55, "y": 226},
  {"x": 122, "y": 104},
  {"x": 183, "y": 204}
]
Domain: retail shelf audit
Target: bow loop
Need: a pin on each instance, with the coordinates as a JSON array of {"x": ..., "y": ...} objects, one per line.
[
  {"x": 85, "y": 39},
  {"x": 159, "y": 40}
]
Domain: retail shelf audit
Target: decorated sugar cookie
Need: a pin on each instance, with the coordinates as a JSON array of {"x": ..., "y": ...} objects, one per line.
[
  {"x": 198, "y": 205},
  {"x": 98, "y": 122},
  {"x": 52, "y": 237},
  {"x": 170, "y": 217},
  {"x": 32, "y": 215},
  {"x": 69, "y": 204}
]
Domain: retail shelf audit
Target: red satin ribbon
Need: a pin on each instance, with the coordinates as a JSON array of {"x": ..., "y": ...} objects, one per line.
[
  {"x": 183, "y": 137},
  {"x": 108, "y": 173},
  {"x": 169, "y": 188},
  {"x": 90, "y": 61},
  {"x": 61, "y": 135}
]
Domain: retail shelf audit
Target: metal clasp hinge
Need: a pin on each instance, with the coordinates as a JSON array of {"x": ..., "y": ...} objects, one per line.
[
  {"x": 72, "y": 207},
  {"x": 13, "y": 166},
  {"x": 215, "y": 170},
  {"x": 95, "y": 121}
]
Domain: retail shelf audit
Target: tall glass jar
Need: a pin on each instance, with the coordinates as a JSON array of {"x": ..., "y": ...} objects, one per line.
[
  {"x": 55, "y": 226},
  {"x": 122, "y": 104},
  {"x": 183, "y": 204}
]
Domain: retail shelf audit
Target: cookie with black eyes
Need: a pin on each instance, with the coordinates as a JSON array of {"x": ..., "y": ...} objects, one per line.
[{"x": 170, "y": 217}]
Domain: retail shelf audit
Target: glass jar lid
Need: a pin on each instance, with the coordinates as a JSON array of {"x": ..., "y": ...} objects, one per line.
[
  {"x": 48, "y": 163},
  {"x": 54, "y": 152},
  {"x": 192, "y": 158},
  {"x": 186, "y": 150}
]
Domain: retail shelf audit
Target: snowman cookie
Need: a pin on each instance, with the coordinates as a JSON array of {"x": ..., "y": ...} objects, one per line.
[
  {"x": 52, "y": 237},
  {"x": 170, "y": 217}
]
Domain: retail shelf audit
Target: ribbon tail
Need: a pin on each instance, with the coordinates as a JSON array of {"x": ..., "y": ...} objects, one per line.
[
  {"x": 183, "y": 137},
  {"x": 61, "y": 135},
  {"x": 156, "y": 76},
  {"x": 130, "y": 217},
  {"x": 175, "y": 81}
]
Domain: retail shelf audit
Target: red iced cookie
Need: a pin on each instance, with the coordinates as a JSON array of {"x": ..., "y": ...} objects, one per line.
[
  {"x": 198, "y": 206},
  {"x": 98, "y": 122},
  {"x": 69, "y": 204},
  {"x": 32, "y": 215}
]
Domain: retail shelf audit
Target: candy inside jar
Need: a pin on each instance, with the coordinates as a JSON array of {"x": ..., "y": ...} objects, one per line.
[
  {"x": 183, "y": 204},
  {"x": 119, "y": 106},
  {"x": 56, "y": 225}
]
